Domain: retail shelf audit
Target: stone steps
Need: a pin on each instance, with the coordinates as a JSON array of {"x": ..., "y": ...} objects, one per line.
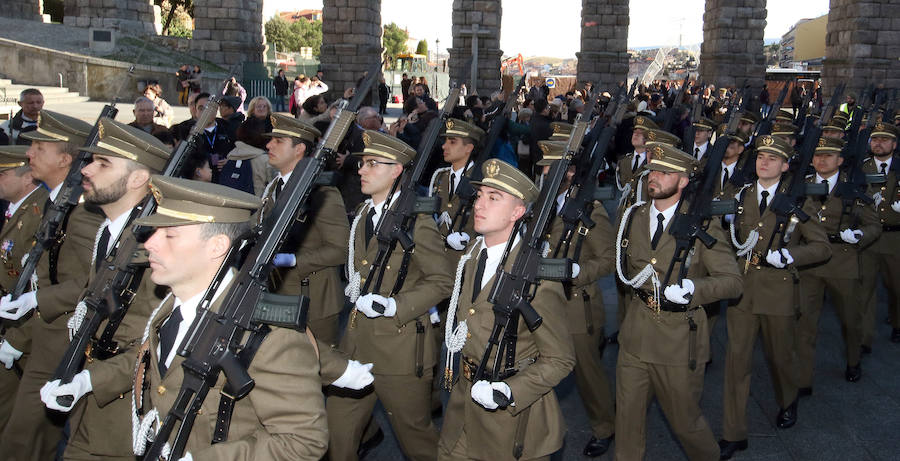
[{"x": 9, "y": 94}]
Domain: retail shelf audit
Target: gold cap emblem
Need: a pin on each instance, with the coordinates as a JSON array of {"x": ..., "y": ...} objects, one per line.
[
  {"x": 821, "y": 142},
  {"x": 879, "y": 126},
  {"x": 658, "y": 153},
  {"x": 449, "y": 124},
  {"x": 639, "y": 120},
  {"x": 492, "y": 169},
  {"x": 768, "y": 140},
  {"x": 274, "y": 121},
  {"x": 651, "y": 136},
  {"x": 101, "y": 132},
  {"x": 367, "y": 140},
  {"x": 157, "y": 195}
]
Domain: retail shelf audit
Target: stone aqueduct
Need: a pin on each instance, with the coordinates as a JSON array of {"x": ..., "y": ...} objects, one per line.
[{"x": 862, "y": 42}]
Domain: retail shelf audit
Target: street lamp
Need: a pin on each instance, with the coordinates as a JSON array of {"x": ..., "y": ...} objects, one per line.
[{"x": 437, "y": 61}]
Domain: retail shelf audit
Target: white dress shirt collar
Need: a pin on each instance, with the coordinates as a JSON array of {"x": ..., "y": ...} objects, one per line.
[
  {"x": 667, "y": 215},
  {"x": 494, "y": 255},
  {"x": 771, "y": 190},
  {"x": 832, "y": 181},
  {"x": 13, "y": 207},
  {"x": 379, "y": 208}
]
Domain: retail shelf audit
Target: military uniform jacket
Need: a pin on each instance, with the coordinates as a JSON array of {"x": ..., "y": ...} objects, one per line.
[
  {"x": 101, "y": 418},
  {"x": 17, "y": 236},
  {"x": 283, "y": 417},
  {"x": 398, "y": 345},
  {"x": 624, "y": 172},
  {"x": 320, "y": 244},
  {"x": 56, "y": 300},
  {"x": 889, "y": 243},
  {"x": 844, "y": 261},
  {"x": 597, "y": 259},
  {"x": 771, "y": 290},
  {"x": 450, "y": 205},
  {"x": 664, "y": 337},
  {"x": 543, "y": 358}
]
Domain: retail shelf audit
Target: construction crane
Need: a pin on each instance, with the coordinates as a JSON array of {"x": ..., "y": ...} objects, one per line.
[{"x": 504, "y": 65}]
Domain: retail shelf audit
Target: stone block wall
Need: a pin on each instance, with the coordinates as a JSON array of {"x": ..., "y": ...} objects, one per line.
[
  {"x": 603, "y": 59},
  {"x": 487, "y": 14},
  {"x": 732, "y": 48},
  {"x": 862, "y": 45},
  {"x": 351, "y": 41},
  {"x": 228, "y": 32},
  {"x": 135, "y": 17},
  {"x": 22, "y": 9}
]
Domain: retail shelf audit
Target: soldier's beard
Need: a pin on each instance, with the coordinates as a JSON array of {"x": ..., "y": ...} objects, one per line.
[
  {"x": 106, "y": 195},
  {"x": 658, "y": 193}
]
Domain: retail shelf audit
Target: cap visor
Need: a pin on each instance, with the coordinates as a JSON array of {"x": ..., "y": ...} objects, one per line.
[{"x": 160, "y": 220}]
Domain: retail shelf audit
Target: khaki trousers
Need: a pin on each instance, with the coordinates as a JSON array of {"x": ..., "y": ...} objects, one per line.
[
  {"x": 458, "y": 452},
  {"x": 842, "y": 293},
  {"x": 871, "y": 265},
  {"x": 407, "y": 401},
  {"x": 678, "y": 390},
  {"x": 778, "y": 345},
  {"x": 593, "y": 384}
]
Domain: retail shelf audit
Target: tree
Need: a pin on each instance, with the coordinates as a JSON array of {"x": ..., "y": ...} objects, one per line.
[
  {"x": 422, "y": 47},
  {"x": 288, "y": 36},
  {"x": 394, "y": 39}
]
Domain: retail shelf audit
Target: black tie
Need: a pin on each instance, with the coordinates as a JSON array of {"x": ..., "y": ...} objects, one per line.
[
  {"x": 724, "y": 178},
  {"x": 697, "y": 153},
  {"x": 637, "y": 161},
  {"x": 370, "y": 226},
  {"x": 102, "y": 246},
  {"x": 883, "y": 167},
  {"x": 659, "y": 230},
  {"x": 167, "y": 335},
  {"x": 452, "y": 184},
  {"x": 824, "y": 196},
  {"x": 479, "y": 273},
  {"x": 49, "y": 201},
  {"x": 278, "y": 185},
  {"x": 764, "y": 202}
]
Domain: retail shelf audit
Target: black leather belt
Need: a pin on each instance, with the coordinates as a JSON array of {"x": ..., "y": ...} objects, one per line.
[
  {"x": 835, "y": 238},
  {"x": 469, "y": 367},
  {"x": 663, "y": 305}
]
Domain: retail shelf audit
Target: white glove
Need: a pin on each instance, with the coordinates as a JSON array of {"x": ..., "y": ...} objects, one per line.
[
  {"x": 851, "y": 236},
  {"x": 680, "y": 294},
  {"x": 576, "y": 269},
  {"x": 434, "y": 316},
  {"x": 8, "y": 354},
  {"x": 444, "y": 219},
  {"x": 80, "y": 385},
  {"x": 876, "y": 196},
  {"x": 458, "y": 240},
  {"x": 774, "y": 258},
  {"x": 356, "y": 376},
  {"x": 896, "y": 206},
  {"x": 284, "y": 260},
  {"x": 729, "y": 218},
  {"x": 187, "y": 457},
  {"x": 390, "y": 306},
  {"x": 14, "y": 310},
  {"x": 364, "y": 305},
  {"x": 483, "y": 393}
]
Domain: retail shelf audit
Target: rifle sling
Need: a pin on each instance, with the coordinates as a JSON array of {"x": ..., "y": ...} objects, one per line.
[
  {"x": 226, "y": 403},
  {"x": 404, "y": 263},
  {"x": 53, "y": 253}
]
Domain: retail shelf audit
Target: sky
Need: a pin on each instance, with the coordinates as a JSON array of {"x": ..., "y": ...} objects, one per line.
[{"x": 532, "y": 28}]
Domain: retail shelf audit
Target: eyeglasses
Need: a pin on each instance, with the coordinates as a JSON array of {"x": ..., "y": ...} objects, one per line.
[{"x": 371, "y": 163}]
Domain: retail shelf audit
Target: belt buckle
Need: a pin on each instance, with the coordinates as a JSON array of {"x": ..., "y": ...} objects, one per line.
[
  {"x": 467, "y": 370},
  {"x": 754, "y": 260},
  {"x": 583, "y": 230}
]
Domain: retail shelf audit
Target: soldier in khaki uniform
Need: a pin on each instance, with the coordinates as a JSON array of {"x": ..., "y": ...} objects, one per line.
[
  {"x": 117, "y": 182},
  {"x": 664, "y": 341},
  {"x": 532, "y": 426},
  {"x": 881, "y": 257},
  {"x": 629, "y": 166},
  {"x": 311, "y": 256},
  {"x": 396, "y": 341},
  {"x": 839, "y": 277},
  {"x": 770, "y": 298},
  {"x": 703, "y": 130},
  {"x": 460, "y": 141},
  {"x": 62, "y": 273},
  {"x": 23, "y": 216},
  {"x": 283, "y": 417},
  {"x": 584, "y": 307}
]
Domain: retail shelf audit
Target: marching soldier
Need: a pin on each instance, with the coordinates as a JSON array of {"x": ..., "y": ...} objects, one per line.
[
  {"x": 584, "y": 307},
  {"x": 629, "y": 166},
  {"x": 839, "y": 276},
  {"x": 283, "y": 417},
  {"x": 532, "y": 426},
  {"x": 460, "y": 140},
  {"x": 731, "y": 163},
  {"x": 770, "y": 295},
  {"x": 703, "y": 129},
  {"x": 395, "y": 340},
  {"x": 32, "y": 433},
  {"x": 309, "y": 260},
  {"x": 881, "y": 257},
  {"x": 117, "y": 182},
  {"x": 835, "y": 127},
  {"x": 23, "y": 216},
  {"x": 662, "y": 338}
]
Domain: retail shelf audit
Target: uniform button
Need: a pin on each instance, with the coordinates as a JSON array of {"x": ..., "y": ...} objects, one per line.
[
  {"x": 652, "y": 260},
  {"x": 200, "y": 411},
  {"x": 388, "y": 268},
  {"x": 471, "y": 311},
  {"x": 468, "y": 335},
  {"x": 364, "y": 262},
  {"x": 161, "y": 390},
  {"x": 759, "y": 224},
  {"x": 449, "y": 205},
  {"x": 823, "y": 218},
  {"x": 758, "y": 268}
]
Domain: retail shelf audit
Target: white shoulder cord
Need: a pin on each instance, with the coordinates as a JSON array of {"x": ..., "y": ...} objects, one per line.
[
  {"x": 353, "y": 277},
  {"x": 752, "y": 237},
  {"x": 648, "y": 272},
  {"x": 437, "y": 173},
  {"x": 74, "y": 322},
  {"x": 455, "y": 338},
  {"x": 144, "y": 430}
]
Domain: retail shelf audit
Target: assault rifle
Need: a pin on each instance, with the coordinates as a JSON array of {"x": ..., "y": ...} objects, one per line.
[
  {"x": 213, "y": 341},
  {"x": 112, "y": 290},
  {"x": 577, "y": 209},
  {"x": 464, "y": 190},
  {"x": 687, "y": 141},
  {"x": 788, "y": 205},
  {"x": 670, "y": 113},
  {"x": 396, "y": 224},
  {"x": 804, "y": 107},
  {"x": 512, "y": 291},
  {"x": 747, "y": 172}
]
